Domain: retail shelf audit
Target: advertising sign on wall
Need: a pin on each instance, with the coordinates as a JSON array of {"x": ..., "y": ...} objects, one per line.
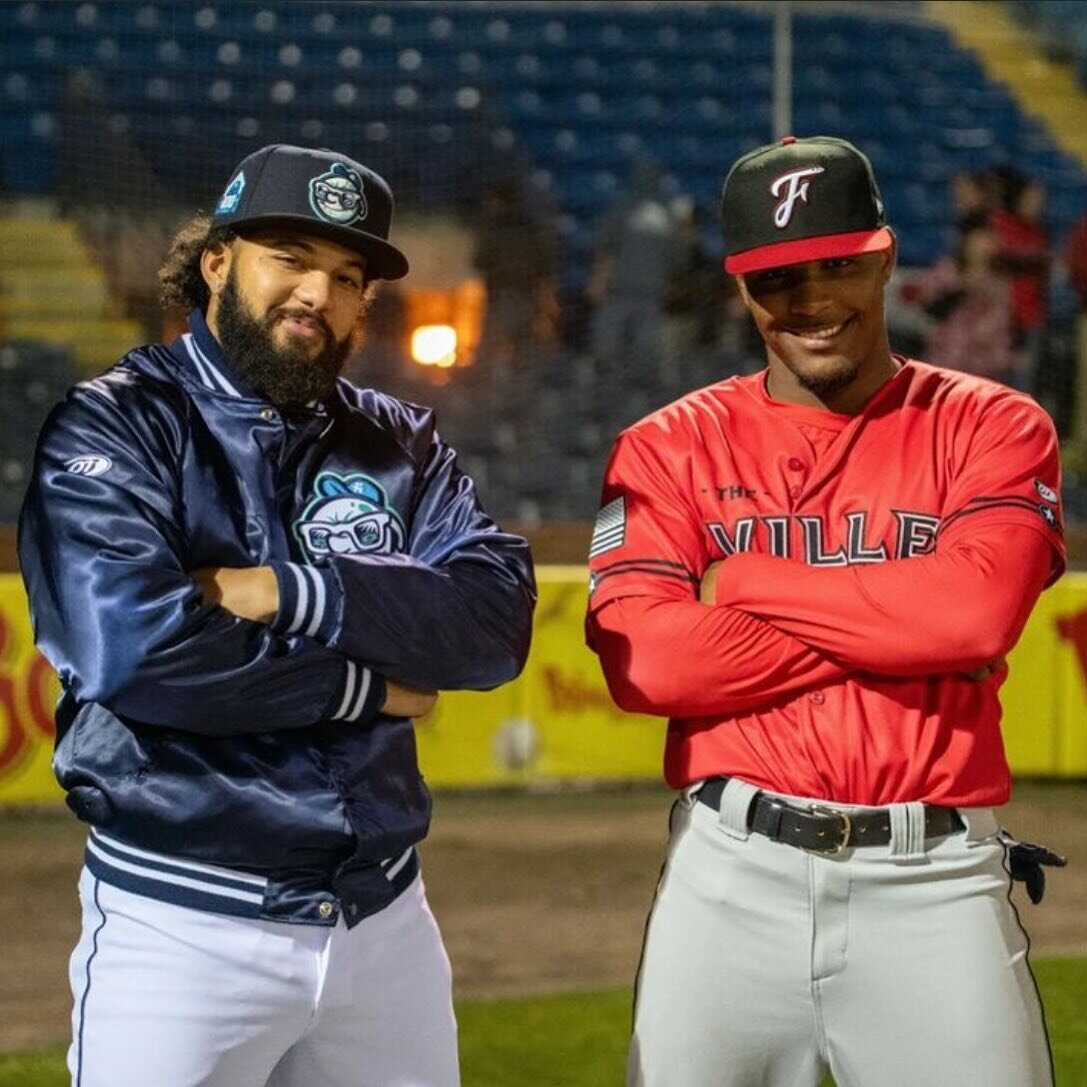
[{"x": 557, "y": 721}]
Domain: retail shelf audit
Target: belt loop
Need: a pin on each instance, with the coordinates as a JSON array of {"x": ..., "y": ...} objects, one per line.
[
  {"x": 908, "y": 831},
  {"x": 980, "y": 824},
  {"x": 736, "y": 801},
  {"x": 689, "y": 795}
]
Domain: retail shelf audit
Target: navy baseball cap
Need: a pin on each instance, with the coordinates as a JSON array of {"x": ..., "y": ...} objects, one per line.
[
  {"x": 320, "y": 192},
  {"x": 798, "y": 200}
]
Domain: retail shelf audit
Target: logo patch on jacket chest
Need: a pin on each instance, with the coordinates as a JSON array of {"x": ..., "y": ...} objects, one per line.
[{"x": 349, "y": 515}]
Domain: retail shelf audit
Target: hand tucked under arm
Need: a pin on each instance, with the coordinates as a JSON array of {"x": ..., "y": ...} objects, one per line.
[
  {"x": 253, "y": 593},
  {"x": 956, "y": 610},
  {"x": 248, "y": 592},
  {"x": 404, "y": 701}
]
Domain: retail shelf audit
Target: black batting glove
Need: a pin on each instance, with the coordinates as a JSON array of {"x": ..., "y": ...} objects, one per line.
[{"x": 1027, "y": 863}]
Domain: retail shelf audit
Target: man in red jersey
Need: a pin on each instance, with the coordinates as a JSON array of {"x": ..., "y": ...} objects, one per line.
[{"x": 815, "y": 572}]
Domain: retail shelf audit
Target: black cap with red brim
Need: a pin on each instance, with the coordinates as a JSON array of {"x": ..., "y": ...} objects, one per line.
[{"x": 800, "y": 200}]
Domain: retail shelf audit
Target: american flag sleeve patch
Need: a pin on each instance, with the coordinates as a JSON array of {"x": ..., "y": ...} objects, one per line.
[{"x": 610, "y": 530}]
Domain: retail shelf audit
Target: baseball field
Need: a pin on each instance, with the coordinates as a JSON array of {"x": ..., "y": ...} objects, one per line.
[{"x": 542, "y": 900}]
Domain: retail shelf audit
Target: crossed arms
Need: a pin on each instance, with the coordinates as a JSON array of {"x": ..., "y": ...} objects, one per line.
[
  {"x": 766, "y": 628},
  {"x": 118, "y": 613},
  {"x": 253, "y": 593},
  {"x": 681, "y": 635}
]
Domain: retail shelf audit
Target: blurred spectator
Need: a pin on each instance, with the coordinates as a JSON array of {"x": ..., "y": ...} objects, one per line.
[
  {"x": 1024, "y": 256},
  {"x": 516, "y": 257},
  {"x": 694, "y": 292},
  {"x": 632, "y": 264},
  {"x": 1075, "y": 259},
  {"x": 970, "y": 199},
  {"x": 966, "y": 303}
]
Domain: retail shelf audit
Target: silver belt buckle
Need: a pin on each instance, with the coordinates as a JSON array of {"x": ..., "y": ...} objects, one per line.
[{"x": 833, "y": 849}]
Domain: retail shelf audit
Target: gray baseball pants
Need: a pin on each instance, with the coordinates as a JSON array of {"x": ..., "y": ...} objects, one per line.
[{"x": 901, "y": 965}]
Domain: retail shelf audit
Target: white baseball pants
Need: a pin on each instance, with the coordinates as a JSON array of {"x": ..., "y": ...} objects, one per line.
[
  {"x": 893, "y": 966},
  {"x": 175, "y": 997}
]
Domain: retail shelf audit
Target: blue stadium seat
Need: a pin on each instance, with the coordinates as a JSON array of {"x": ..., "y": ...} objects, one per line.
[{"x": 579, "y": 90}]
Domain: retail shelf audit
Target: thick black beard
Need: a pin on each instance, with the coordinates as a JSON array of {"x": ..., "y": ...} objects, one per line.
[{"x": 288, "y": 377}]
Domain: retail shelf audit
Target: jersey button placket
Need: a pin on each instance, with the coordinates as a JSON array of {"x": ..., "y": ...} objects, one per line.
[
  {"x": 797, "y": 467},
  {"x": 818, "y": 697},
  {"x": 326, "y": 910}
]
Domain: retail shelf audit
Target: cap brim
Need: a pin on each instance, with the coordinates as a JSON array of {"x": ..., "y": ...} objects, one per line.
[
  {"x": 383, "y": 260},
  {"x": 802, "y": 249}
]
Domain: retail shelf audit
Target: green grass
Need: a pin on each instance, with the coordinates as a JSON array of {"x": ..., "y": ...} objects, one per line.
[
  {"x": 580, "y": 1039},
  {"x": 572, "y": 1040}
]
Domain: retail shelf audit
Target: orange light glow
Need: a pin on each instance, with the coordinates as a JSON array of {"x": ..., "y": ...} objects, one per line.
[{"x": 434, "y": 345}]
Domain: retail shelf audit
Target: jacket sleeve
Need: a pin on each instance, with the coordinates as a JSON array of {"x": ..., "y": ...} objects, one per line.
[
  {"x": 961, "y": 606},
  {"x": 662, "y": 651},
  {"x": 114, "y": 611},
  {"x": 453, "y": 612}
]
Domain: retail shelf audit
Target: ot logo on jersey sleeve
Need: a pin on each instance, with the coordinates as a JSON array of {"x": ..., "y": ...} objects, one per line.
[
  {"x": 1046, "y": 492},
  {"x": 349, "y": 515}
]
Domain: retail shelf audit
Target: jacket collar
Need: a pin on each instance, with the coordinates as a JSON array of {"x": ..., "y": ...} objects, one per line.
[{"x": 203, "y": 356}]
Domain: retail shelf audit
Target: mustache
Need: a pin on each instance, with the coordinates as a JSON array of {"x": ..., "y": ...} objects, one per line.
[{"x": 281, "y": 312}]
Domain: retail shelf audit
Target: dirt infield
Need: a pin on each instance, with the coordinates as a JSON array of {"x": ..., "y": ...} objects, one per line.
[{"x": 535, "y": 893}]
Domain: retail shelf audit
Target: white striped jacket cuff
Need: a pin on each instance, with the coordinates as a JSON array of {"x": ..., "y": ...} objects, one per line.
[
  {"x": 363, "y": 695},
  {"x": 308, "y": 601}
]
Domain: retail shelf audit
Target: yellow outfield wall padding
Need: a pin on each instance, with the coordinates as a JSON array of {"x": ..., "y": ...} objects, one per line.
[{"x": 557, "y": 721}]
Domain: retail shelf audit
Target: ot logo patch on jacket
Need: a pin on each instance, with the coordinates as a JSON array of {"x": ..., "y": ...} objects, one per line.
[
  {"x": 90, "y": 464},
  {"x": 349, "y": 515}
]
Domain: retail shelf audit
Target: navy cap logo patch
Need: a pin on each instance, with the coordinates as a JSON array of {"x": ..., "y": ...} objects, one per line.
[
  {"x": 338, "y": 197},
  {"x": 228, "y": 203}
]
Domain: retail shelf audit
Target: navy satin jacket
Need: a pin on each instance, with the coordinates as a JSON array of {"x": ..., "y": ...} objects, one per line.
[{"x": 232, "y": 765}]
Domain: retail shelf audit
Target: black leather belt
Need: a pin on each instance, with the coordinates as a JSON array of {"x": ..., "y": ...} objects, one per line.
[{"x": 823, "y": 829}]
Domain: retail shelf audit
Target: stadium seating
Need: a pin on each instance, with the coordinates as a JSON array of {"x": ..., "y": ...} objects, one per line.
[
  {"x": 1061, "y": 25},
  {"x": 33, "y": 377},
  {"x": 195, "y": 86}
]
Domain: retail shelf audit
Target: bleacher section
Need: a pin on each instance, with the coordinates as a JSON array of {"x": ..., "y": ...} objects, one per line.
[
  {"x": 53, "y": 290},
  {"x": 434, "y": 93},
  {"x": 33, "y": 377},
  {"x": 1060, "y": 26}
]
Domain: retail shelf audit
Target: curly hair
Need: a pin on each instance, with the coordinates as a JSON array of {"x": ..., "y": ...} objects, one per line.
[{"x": 181, "y": 284}]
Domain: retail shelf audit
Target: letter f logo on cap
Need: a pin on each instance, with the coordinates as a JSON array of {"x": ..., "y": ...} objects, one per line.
[{"x": 796, "y": 188}]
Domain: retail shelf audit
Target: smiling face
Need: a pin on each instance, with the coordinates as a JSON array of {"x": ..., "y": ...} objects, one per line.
[
  {"x": 287, "y": 309},
  {"x": 824, "y": 328}
]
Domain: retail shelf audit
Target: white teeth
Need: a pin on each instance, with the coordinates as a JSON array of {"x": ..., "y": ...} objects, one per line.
[{"x": 820, "y": 333}]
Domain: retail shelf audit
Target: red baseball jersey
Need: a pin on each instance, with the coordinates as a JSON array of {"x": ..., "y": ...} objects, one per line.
[{"x": 871, "y": 562}]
